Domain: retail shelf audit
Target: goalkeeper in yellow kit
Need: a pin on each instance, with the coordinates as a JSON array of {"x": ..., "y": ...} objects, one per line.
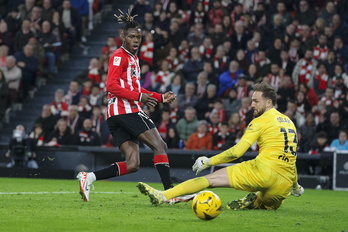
[{"x": 270, "y": 178}]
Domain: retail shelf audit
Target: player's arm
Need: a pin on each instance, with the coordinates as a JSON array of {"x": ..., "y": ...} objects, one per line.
[{"x": 250, "y": 136}]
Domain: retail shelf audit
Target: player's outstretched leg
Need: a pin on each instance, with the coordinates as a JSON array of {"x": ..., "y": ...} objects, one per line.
[
  {"x": 85, "y": 185},
  {"x": 297, "y": 190},
  {"x": 156, "y": 196},
  {"x": 243, "y": 203}
]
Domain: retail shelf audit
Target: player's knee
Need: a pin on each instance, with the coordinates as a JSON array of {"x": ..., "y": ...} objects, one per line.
[{"x": 160, "y": 147}]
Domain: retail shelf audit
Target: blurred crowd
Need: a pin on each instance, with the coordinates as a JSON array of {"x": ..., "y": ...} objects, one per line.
[{"x": 210, "y": 53}]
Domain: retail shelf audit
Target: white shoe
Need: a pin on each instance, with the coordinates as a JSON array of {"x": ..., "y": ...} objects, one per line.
[
  {"x": 183, "y": 198},
  {"x": 297, "y": 191},
  {"x": 85, "y": 185}
]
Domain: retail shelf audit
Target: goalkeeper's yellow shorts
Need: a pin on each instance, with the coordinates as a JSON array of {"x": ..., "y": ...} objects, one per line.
[{"x": 252, "y": 176}]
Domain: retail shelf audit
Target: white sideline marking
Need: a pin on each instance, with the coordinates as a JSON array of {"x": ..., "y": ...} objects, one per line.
[{"x": 27, "y": 193}]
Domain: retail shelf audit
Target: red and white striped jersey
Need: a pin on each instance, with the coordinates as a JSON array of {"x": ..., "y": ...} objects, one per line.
[{"x": 123, "y": 84}]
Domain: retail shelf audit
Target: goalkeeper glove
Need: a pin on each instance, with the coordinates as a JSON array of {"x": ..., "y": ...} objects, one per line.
[{"x": 201, "y": 164}]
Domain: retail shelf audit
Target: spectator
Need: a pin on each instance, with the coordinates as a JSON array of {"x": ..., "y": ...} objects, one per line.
[
  {"x": 223, "y": 139},
  {"x": 48, "y": 40},
  {"x": 214, "y": 122},
  {"x": 86, "y": 88},
  {"x": 236, "y": 125},
  {"x": 13, "y": 20},
  {"x": 341, "y": 51},
  {"x": 202, "y": 83},
  {"x": 206, "y": 49},
  {"x": 240, "y": 36},
  {"x": 320, "y": 143},
  {"x": 242, "y": 60},
  {"x": 193, "y": 66},
  {"x": 305, "y": 70},
  {"x": 47, "y": 120},
  {"x": 22, "y": 36},
  {"x": 26, "y": 8},
  {"x": 328, "y": 12},
  {"x": 35, "y": 139},
  {"x": 106, "y": 52},
  {"x": 188, "y": 124},
  {"x": 229, "y": 79},
  {"x": 231, "y": 103},
  {"x": 61, "y": 135},
  {"x": 73, "y": 119},
  {"x": 331, "y": 126},
  {"x": 71, "y": 22},
  {"x": 145, "y": 77},
  {"x": 147, "y": 49},
  {"x": 341, "y": 143},
  {"x": 307, "y": 131},
  {"x": 253, "y": 74},
  {"x": 96, "y": 96},
  {"x": 84, "y": 108},
  {"x": 164, "y": 123},
  {"x": 173, "y": 60},
  {"x": 242, "y": 87},
  {"x": 39, "y": 54},
  {"x": 172, "y": 138},
  {"x": 140, "y": 8},
  {"x": 201, "y": 139},
  {"x": 196, "y": 37},
  {"x": 72, "y": 97},
  {"x": 321, "y": 79},
  {"x": 58, "y": 107},
  {"x": 3, "y": 96},
  {"x": 6, "y": 36},
  {"x": 177, "y": 84},
  {"x": 99, "y": 125},
  {"x": 3, "y": 54},
  {"x": 303, "y": 105},
  {"x": 35, "y": 19},
  {"x": 206, "y": 103},
  {"x": 220, "y": 60},
  {"x": 187, "y": 99},
  {"x": 263, "y": 64},
  {"x": 285, "y": 63},
  {"x": 217, "y": 35},
  {"x": 86, "y": 136},
  {"x": 47, "y": 10},
  {"x": 13, "y": 76},
  {"x": 216, "y": 14},
  {"x": 285, "y": 93},
  {"x": 306, "y": 14},
  {"x": 321, "y": 50},
  {"x": 29, "y": 65},
  {"x": 162, "y": 78}
]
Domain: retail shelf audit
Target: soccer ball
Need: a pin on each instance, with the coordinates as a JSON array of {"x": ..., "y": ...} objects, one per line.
[{"x": 206, "y": 205}]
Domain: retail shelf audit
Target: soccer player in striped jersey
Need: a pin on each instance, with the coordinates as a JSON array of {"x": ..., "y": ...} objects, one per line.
[
  {"x": 127, "y": 122},
  {"x": 270, "y": 178}
]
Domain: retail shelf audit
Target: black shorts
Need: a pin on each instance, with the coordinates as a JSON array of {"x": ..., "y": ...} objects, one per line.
[{"x": 126, "y": 127}]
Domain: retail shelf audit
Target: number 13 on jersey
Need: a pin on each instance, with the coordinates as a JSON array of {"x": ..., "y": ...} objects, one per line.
[{"x": 290, "y": 140}]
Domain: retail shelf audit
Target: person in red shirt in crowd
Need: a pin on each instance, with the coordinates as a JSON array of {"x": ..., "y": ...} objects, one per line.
[{"x": 126, "y": 120}]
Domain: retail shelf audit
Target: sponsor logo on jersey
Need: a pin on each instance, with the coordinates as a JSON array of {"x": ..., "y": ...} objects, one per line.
[{"x": 117, "y": 61}]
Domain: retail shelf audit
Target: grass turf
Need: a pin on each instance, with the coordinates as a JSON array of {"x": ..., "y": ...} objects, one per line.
[{"x": 55, "y": 205}]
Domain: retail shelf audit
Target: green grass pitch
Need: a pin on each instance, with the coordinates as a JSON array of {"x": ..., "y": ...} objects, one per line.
[{"x": 55, "y": 205}]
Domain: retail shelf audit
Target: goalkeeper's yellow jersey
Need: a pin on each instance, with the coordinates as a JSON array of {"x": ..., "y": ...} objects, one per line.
[{"x": 276, "y": 137}]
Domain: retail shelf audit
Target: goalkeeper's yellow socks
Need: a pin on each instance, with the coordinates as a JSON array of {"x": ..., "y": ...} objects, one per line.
[{"x": 187, "y": 187}]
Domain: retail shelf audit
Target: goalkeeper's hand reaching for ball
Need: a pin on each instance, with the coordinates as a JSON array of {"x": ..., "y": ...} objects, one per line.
[{"x": 201, "y": 164}]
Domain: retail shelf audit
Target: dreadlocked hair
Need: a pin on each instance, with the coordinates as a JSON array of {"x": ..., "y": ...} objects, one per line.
[{"x": 128, "y": 19}]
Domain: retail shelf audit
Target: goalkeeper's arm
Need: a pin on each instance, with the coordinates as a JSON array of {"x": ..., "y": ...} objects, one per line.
[{"x": 226, "y": 156}]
